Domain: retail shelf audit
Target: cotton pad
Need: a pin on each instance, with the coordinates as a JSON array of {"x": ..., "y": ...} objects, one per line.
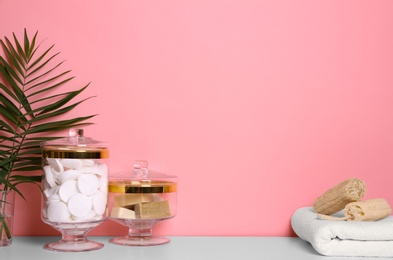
[
  {"x": 75, "y": 164},
  {"x": 79, "y": 205},
  {"x": 99, "y": 202},
  {"x": 58, "y": 211},
  {"x": 56, "y": 165},
  {"x": 102, "y": 169},
  {"x": 69, "y": 175},
  {"x": 88, "y": 163},
  {"x": 67, "y": 190},
  {"x": 49, "y": 176},
  {"x": 88, "y": 184}
]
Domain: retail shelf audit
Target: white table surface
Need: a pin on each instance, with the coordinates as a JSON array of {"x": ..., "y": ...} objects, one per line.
[{"x": 180, "y": 248}]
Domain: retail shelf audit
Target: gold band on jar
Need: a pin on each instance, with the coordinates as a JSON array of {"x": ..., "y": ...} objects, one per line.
[
  {"x": 144, "y": 187},
  {"x": 76, "y": 154}
]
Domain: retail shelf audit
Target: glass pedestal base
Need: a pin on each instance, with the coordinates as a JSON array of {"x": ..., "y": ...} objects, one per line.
[
  {"x": 73, "y": 246},
  {"x": 139, "y": 241},
  {"x": 139, "y": 233},
  {"x": 74, "y": 237}
]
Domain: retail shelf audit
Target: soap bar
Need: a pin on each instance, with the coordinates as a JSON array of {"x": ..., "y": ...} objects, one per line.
[
  {"x": 118, "y": 212},
  {"x": 153, "y": 210},
  {"x": 124, "y": 200}
]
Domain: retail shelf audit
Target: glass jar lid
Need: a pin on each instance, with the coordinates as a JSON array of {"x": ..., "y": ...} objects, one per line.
[
  {"x": 142, "y": 180},
  {"x": 75, "y": 146}
]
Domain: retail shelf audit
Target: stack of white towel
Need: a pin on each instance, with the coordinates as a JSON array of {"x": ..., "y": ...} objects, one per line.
[{"x": 344, "y": 238}]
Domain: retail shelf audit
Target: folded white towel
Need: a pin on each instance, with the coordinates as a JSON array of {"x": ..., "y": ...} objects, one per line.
[{"x": 344, "y": 238}]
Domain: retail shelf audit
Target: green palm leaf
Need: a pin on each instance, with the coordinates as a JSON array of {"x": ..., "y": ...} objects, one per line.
[
  {"x": 46, "y": 81},
  {"x": 13, "y": 56},
  {"x": 32, "y": 107}
]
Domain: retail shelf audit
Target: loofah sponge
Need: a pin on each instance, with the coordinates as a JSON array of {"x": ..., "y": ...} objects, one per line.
[
  {"x": 336, "y": 198},
  {"x": 367, "y": 210}
]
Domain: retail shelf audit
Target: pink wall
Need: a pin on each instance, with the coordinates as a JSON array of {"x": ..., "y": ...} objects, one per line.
[{"x": 257, "y": 106}]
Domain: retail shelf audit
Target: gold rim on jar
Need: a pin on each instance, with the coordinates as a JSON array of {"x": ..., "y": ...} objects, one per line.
[
  {"x": 88, "y": 153},
  {"x": 142, "y": 187}
]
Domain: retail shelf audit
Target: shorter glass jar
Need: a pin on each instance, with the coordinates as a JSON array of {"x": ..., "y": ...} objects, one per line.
[
  {"x": 139, "y": 200},
  {"x": 75, "y": 189}
]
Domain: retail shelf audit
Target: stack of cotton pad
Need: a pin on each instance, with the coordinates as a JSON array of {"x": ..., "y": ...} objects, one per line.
[{"x": 75, "y": 190}]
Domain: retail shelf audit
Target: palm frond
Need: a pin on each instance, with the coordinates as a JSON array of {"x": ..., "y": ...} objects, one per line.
[
  {"x": 8, "y": 92},
  {"x": 18, "y": 90},
  {"x": 32, "y": 105},
  {"x": 20, "y": 51},
  {"x": 58, "y": 125},
  {"x": 13, "y": 56},
  {"x": 36, "y": 62},
  {"x": 68, "y": 97},
  {"x": 51, "y": 87},
  {"x": 44, "y": 74},
  {"x": 55, "y": 113}
]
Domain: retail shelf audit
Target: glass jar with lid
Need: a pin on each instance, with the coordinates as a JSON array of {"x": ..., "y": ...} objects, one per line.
[
  {"x": 139, "y": 200},
  {"x": 75, "y": 189}
]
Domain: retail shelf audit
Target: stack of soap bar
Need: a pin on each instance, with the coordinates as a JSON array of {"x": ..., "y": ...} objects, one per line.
[
  {"x": 75, "y": 190},
  {"x": 140, "y": 206}
]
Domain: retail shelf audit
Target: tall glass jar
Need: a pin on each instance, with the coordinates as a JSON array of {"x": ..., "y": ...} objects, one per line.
[{"x": 75, "y": 189}]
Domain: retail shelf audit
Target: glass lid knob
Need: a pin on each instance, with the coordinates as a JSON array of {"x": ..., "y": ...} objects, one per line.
[{"x": 141, "y": 168}]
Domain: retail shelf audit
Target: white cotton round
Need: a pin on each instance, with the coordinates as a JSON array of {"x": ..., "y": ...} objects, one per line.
[
  {"x": 102, "y": 169},
  {"x": 58, "y": 212},
  {"x": 51, "y": 192},
  {"x": 89, "y": 169},
  {"x": 88, "y": 184},
  {"x": 103, "y": 186},
  {"x": 44, "y": 212},
  {"x": 56, "y": 165},
  {"x": 67, "y": 190},
  {"x": 99, "y": 202},
  {"x": 89, "y": 216},
  {"x": 79, "y": 205},
  {"x": 75, "y": 164},
  {"x": 69, "y": 175},
  {"x": 88, "y": 163},
  {"x": 45, "y": 184},
  {"x": 49, "y": 178},
  {"x": 54, "y": 197}
]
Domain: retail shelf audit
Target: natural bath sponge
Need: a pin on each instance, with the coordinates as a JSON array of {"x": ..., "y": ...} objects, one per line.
[
  {"x": 367, "y": 210},
  {"x": 337, "y": 197}
]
